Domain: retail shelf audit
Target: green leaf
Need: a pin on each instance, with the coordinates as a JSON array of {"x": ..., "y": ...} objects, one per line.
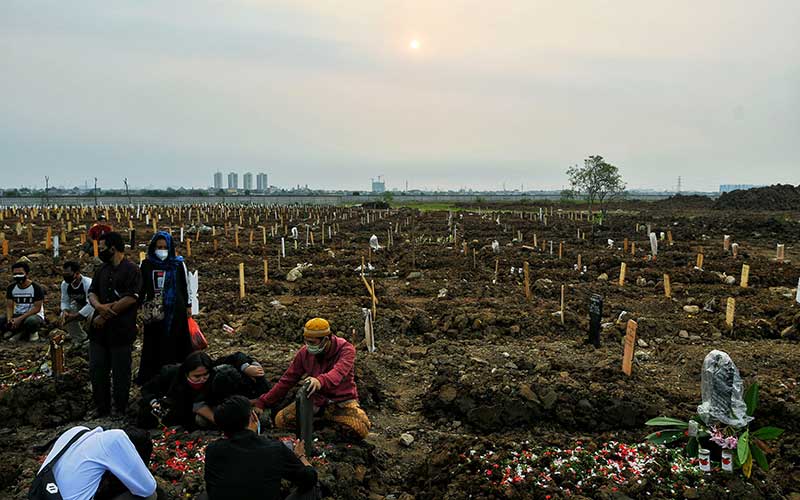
[
  {"x": 761, "y": 459},
  {"x": 692, "y": 447},
  {"x": 666, "y": 436},
  {"x": 743, "y": 448},
  {"x": 767, "y": 433},
  {"x": 751, "y": 398},
  {"x": 667, "y": 422}
]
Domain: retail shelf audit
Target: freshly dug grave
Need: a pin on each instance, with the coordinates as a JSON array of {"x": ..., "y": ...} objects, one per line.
[{"x": 465, "y": 364}]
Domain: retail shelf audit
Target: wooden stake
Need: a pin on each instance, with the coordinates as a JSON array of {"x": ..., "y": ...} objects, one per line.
[
  {"x": 699, "y": 261},
  {"x": 266, "y": 271},
  {"x": 525, "y": 269},
  {"x": 374, "y": 300},
  {"x": 580, "y": 268},
  {"x": 241, "y": 280},
  {"x": 630, "y": 342},
  {"x": 94, "y": 248},
  {"x": 730, "y": 311},
  {"x": 560, "y": 249},
  {"x": 667, "y": 286},
  {"x": 188, "y": 247},
  {"x": 622, "y": 269},
  {"x": 633, "y": 248},
  {"x": 669, "y": 238},
  {"x": 5, "y": 248},
  {"x": 745, "y": 275},
  {"x": 562, "y": 303}
]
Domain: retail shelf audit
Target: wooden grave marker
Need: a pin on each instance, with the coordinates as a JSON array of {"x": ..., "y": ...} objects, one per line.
[
  {"x": 630, "y": 343},
  {"x": 745, "y": 276},
  {"x": 730, "y": 311}
]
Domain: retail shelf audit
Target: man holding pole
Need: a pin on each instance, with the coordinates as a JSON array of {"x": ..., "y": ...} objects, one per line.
[{"x": 328, "y": 362}]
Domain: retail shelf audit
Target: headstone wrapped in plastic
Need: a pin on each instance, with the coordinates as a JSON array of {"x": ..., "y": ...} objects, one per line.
[{"x": 722, "y": 392}]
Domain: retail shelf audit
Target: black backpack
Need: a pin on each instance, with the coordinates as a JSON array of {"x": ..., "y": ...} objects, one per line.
[{"x": 44, "y": 484}]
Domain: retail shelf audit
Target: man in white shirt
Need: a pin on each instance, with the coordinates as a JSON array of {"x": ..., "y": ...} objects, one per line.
[
  {"x": 75, "y": 306},
  {"x": 123, "y": 453}
]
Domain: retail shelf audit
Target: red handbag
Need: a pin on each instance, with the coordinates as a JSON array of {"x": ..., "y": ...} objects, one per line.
[{"x": 199, "y": 341}]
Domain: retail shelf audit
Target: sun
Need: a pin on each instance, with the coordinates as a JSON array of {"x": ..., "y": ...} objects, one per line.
[{"x": 414, "y": 44}]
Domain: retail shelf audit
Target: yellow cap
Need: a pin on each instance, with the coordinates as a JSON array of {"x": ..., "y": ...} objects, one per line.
[{"x": 316, "y": 328}]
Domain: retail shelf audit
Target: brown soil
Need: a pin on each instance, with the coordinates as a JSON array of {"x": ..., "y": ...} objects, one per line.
[{"x": 464, "y": 361}]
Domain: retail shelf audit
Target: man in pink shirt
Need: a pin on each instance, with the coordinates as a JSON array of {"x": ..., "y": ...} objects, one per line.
[{"x": 328, "y": 362}]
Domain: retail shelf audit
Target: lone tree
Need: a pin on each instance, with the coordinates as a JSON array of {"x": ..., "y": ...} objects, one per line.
[{"x": 598, "y": 181}]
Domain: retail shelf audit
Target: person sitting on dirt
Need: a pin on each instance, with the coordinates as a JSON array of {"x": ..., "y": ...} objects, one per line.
[
  {"x": 246, "y": 465},
  {"x": 329, "y": 363},
  {"x": 114, "y": 294},
  {"x": 166, "y": 335},
  {"x": 24, "y": 306},
  {"x": 97, "y": 230},
  {"x": 82, "y": 467},
  {"x": 75, "y": 306},
  {"x": 186, "y": 394}
]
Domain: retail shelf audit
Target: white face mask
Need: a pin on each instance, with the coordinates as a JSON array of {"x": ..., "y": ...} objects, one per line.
[{"x": 162, "y": 254}]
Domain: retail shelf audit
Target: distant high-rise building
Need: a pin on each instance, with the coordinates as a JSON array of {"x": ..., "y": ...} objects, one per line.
[
  {"x": 261, "y": 182},
  {"x": 233, "y": 181},
  {"x": 218, "y": 180},
  {"x": 378, "y": 185},
  {"x": 248, "y": 181}
]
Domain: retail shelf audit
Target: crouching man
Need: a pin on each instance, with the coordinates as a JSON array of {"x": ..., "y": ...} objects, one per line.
[
  {"x": 82, "y": 459},
  {"x": 329, "y": 363}
]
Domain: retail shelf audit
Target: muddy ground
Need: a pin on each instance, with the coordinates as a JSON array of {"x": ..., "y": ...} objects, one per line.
[{"x": 465, "y": 365}]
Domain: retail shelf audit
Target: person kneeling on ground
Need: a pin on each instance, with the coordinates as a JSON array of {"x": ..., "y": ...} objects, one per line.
[
  {"x": 75, "y": 306},
  {"x": 125, "y": 454},
  {"x": 186, "y": 394},
  {"x": 246, "y": 465},
  {"x": 24, "y": 306},
  {"x": 329, "y": 363}
]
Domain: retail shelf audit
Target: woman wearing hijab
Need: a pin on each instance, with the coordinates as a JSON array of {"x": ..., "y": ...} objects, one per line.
[
  {"x": 186, "y": 394},
  {"x": 166, "y": 329}
]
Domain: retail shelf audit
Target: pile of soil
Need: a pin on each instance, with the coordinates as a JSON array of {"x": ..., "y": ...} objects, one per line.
[
  {"x": 685, "y": 201},
  {"x": 776, "y": 197},
  {"x": 466, "y": 365}
]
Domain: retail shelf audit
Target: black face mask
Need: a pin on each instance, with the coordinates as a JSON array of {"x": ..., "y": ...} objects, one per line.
[
  {"x": 20, "y": 278},
  {"x": 106, "y": 255},
  {"x": 69, "y": 278}
]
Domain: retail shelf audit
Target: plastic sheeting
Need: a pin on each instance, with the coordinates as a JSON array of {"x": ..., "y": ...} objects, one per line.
[{"x": 722, "y": 392}]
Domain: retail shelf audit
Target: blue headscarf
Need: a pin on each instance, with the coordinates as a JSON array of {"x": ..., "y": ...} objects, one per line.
[{"x": 171, "y": 266}]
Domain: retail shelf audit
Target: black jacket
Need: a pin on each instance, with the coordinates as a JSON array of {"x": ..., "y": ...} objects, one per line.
[
  {"x": 181, "y": 399},
  {"x": 248, "y": 466}
]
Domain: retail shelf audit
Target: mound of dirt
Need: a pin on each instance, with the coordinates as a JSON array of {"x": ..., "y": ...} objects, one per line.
[
  {"x": 775, "y": 197},
  {"x": 685, "y": 201}
]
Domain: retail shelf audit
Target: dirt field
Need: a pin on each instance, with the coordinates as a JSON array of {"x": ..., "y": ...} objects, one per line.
[{"x": 488, "y": 383}]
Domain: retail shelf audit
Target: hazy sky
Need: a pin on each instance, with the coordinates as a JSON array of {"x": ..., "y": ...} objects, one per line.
[{"x": 330, "y": 94}]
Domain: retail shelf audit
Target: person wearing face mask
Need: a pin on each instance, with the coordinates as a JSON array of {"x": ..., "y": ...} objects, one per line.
[
  {"x": 186, "y": 394},
  {"x": 114, "y": 294},
  {"x": 246, "y": 465},
  {"x": 327, "y": 363},
  {"x": 24, "y": 306},
  {"x": 166, "y": 340},
  {"x": 75, "y": 306}
]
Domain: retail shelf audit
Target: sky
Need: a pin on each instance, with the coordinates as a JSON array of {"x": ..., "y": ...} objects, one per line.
[{"x": 331, "y": 94}]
